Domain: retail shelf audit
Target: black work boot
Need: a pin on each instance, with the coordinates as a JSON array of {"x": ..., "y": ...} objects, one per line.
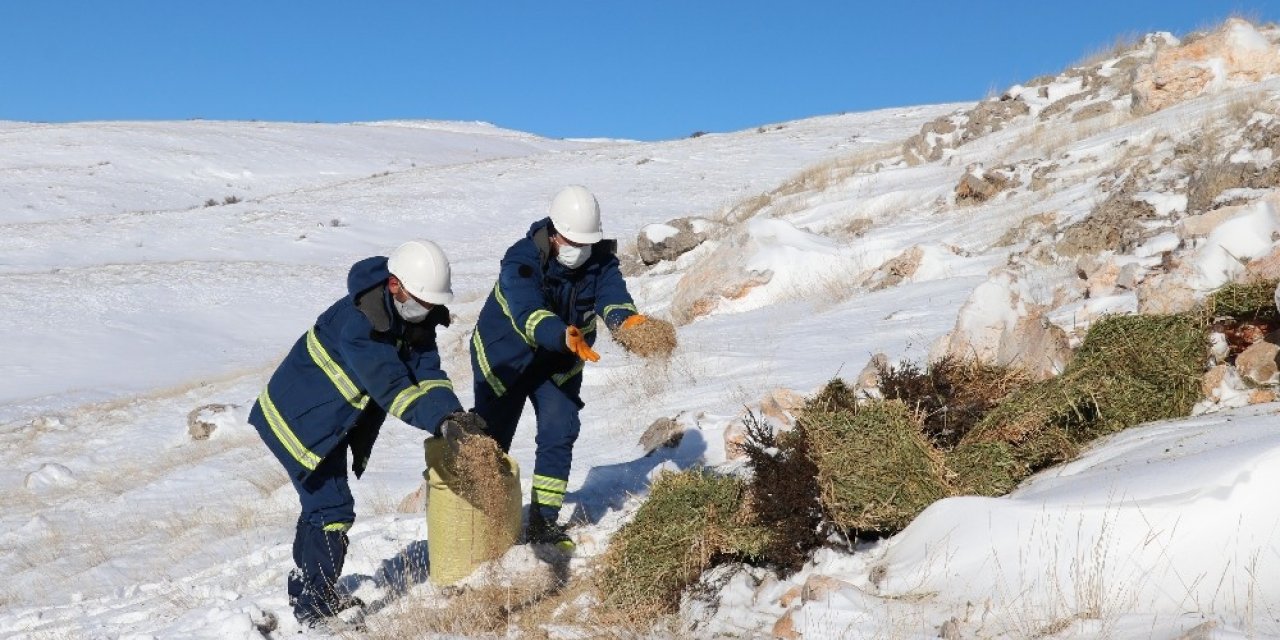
[{"x": 542, "y": 530}]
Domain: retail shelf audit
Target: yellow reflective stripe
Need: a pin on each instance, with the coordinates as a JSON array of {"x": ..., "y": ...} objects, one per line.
[
  {"x": 338, "y": 526},
  {"x": 411, "y": 394},
  {"x": 336, "y": 375},
  {"x": 614, "y": 307},
  {"x": 502, "y": 302},
  {"x": 561, "y": 378},
  {"x": 535, "y": 318},
  {"x": 590, "y": 328},
  {"x": 303, "y": 455},
  {"x": 548, "y": 498},
  {"x": 483, "y": 359},
  {"x": 549, "y": 483}
]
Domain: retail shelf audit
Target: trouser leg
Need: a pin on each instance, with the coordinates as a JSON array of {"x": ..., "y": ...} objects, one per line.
[
  {"x": 557, "y": 409},
  {"x": 320, "y": 541},
  {"x": 500, "y": 413}
]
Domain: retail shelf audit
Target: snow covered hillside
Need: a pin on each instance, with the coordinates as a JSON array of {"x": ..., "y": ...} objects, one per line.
[{"x": 787, "y": 254}]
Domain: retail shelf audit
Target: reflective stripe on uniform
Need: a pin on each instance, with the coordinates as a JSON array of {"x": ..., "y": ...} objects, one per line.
[
  {"x": 561, "y": 378},
  {"x": 481, "y": 357},
  {"x": 336, "y": 375},
  {"x": 338, "y": 526},
  {"x": 502, "y": 302},
  {"x": 284, "y": 434},
  {"x": 534, "y": 320},
  {"x": 614, "y": 307},
  {"x": 411, "y": 394},
  {"x": 549, "y": 491}
]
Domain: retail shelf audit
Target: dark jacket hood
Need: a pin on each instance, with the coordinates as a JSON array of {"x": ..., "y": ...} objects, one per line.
[{"x": 367, "y": 274}]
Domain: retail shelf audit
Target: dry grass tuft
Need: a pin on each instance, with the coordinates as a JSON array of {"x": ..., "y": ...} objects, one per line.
[
  {"x": 950, "y": 397},
  {"x": 691, "y": 521},
  {"x": 651, "y": 338}
]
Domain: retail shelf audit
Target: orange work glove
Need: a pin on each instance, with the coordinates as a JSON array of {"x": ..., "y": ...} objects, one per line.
[
  {"x": 578, "y": 345},
  {"x": 632, "y": 321}
]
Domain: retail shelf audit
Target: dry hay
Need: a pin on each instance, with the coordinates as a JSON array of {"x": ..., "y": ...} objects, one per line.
[
  {"x": 650, "y": 338},
  {"x": 950, "y": 396},
  {"x": 484, "y": 481},
  {"x": 876, "y": 470},
  {"x": 1130, "y": 370},
  {"x": 1251, "y": 302},
  {"x": 782, "y": 494},
  {"x": 691, "y": 521},
  {"x": 984, "y": 469}
]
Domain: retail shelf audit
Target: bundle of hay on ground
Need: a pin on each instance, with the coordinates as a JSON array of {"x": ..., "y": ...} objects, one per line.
[
  {"x": 1130, "y": 370},
  {"x": 1254, "y": 302},
  {"x": 691, "y": 521},
  {"x": 876, "y": 470}
]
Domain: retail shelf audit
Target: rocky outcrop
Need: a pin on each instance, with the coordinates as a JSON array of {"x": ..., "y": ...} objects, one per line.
[
  {"x": 996, "y": 325},
  {"x": 1234, "y": 54},
  {"x": 658, "y": 242}
]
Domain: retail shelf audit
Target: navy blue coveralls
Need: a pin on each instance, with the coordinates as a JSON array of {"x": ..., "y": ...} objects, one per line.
[
  {"x": 332, "y": 392},
  {"x": 518, "y": 350}
]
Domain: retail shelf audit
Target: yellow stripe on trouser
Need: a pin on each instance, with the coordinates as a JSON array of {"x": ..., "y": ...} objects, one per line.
[
  {"x": 549, "y": 491},
  {"x": 336, "y": 375},
  {"x": 338, "y": 526},
  {"x": 494, "y": 382},
  {"x": 303, "y": 455},
  {"x": 502, "y": 302},
  {"x": 411, "y": 394}
]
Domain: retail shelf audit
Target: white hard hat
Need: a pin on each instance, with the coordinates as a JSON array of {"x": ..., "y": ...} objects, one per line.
[
  {"x": 576, "y": 215},
  {"x": 423, "y": 271}
]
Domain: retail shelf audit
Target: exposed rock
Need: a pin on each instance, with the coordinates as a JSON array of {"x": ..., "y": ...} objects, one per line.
[
  {"x": 818, "y": 588},
  {"x": 1262, "y": 396},
  {"x": 1258, "y": 363},
  {"x": 897, "y": 270},
  {"x": 790, "y": 596},
  {"x": 664, "y": 432},
  {"x": 718, "y": 276},
  {"x": 780, "y": 406},
  {"x": 1102, "y": 279},
  {"x": 735, "y": 436},
  {"x": 50, "y": 474},
  {"x": 868, "y": 381},
  {"x": 1263, "y": 269},
  {"x": 995, "y": 325},
  {"x": 977, "y": 186},
  {"x": 658, "y": 242},
  {"x": 950, "y": 630},
  {"x": 951, "y": 131},
  {"x": 1210, "y": 180},
  {"x": 1166, "y": 293},
  {"x": 203, "y": 421},
  {"x": 1040, "y": 176},
  {"x": 1211, "y": 382},
  {"x": 416, "y": 501},
  {"x": 1061, "y": 105},
  {"x": 1115, "y": 225},
  {"x": 1039, "y": 225},
  {"x": 785, "y": 627},
  {"x": 1234, "y": 54},
  {"x": 1093, "y": 110}
]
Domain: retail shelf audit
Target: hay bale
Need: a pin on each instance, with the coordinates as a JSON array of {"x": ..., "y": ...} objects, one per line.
[
  {"x": 1245, "y": 301},
  {"x": 690, "y": 522},
  {"x": 876, "y": 470},
  {"x": 650, "y": 338},
  {"x": 985, "y": 469},
  {"x": 1130, "y": 370}
]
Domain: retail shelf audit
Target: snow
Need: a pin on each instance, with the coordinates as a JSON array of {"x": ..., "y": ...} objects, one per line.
[
  {"x": 658, "y": 232},
  {"x": 125, "y": 303}
]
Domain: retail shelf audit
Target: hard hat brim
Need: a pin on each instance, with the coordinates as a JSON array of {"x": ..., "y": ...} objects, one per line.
[
  {"x": 434, "y": 297},
  {"x": 582, "y": 238}
]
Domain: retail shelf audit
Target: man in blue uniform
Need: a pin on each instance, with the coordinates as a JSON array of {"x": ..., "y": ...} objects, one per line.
[
  {"x": 373, "y": 352},
  {"x": 535, "y": 332}
]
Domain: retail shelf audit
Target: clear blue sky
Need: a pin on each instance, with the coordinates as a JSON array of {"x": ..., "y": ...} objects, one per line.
[{"x": 642, "y": 69}]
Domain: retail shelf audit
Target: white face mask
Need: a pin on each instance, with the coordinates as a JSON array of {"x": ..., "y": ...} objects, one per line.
[
  {"x": 571, "y": 256},
  {"x": 411, "y": 310}
]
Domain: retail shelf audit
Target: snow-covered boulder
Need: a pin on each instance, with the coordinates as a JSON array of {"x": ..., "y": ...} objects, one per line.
[
  {"x": 50, "y": 474},
  {"x": 204, "y": 421},
  {"x": 1235, "y": 54},
  {"x": 996, "y": 325},
  {"x": 658, "y": 242}
]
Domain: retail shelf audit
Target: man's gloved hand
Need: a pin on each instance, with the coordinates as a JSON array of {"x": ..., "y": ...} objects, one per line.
[
  {"x": 461, "y": 426},
  {"x": 637, "y": 319},
  {"x": 578, "y": 345}
]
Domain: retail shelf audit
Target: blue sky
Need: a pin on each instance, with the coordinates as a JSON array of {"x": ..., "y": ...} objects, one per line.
[{"x": 645, "y": 70}]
